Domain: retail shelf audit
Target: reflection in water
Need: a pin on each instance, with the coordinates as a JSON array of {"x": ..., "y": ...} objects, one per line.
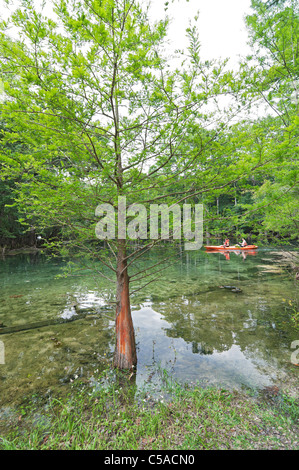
[
  {"x": 209, "y": 319},
  {"x": 240, "y": 253}
]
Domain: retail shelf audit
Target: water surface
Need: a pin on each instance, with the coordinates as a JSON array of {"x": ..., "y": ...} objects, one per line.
[{"x": 207, "y": 319}]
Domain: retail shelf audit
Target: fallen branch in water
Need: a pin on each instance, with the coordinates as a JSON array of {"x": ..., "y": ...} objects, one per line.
[{"x": 40, "y": 324}]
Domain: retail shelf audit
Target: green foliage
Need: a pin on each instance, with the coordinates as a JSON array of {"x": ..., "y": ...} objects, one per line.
[
  {"x": 91, "y": 96},
  {"x": 101, "y": 113},
  {"x": 275, "y": 38},
  {"x": 115, "y": 415},
  {"x": 271, "y": 78}
]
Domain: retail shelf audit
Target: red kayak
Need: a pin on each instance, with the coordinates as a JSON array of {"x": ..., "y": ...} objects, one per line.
[{"x": 230, "y": 248}]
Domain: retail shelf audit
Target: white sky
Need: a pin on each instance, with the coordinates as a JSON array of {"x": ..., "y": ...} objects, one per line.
[{"x": 221, "y": 25}]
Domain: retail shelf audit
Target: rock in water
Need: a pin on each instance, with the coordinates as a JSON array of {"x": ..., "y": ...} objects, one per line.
[{"x": 231, "y": 288}]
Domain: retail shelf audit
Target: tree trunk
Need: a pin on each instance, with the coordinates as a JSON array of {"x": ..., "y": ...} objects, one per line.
[{"x": 125, "y": 350}]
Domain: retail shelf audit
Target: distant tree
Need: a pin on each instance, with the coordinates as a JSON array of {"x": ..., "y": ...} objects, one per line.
[
  {"x": 271, "y": 74},
  {"x": 12, "y": 232}
]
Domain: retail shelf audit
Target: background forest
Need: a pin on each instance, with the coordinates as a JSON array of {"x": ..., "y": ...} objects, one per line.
[{"x": 243, "y": 168}]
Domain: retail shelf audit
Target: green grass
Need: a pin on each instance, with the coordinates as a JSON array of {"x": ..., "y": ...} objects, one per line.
[{"x": 115, "y": 416}]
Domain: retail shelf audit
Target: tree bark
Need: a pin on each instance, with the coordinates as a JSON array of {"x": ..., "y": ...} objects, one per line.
[{"x": 125, "y": 356}]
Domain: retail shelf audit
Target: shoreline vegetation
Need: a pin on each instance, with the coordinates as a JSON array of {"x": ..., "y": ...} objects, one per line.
[{"x": 113, "y": 414}]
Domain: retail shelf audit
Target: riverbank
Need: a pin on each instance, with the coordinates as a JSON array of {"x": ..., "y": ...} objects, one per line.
[{"x": 111, "y": 414}]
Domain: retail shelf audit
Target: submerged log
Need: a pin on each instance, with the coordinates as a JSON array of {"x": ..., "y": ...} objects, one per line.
[
  {"x": 41, "y": 324},
  {"x": 231, "y": 288}
]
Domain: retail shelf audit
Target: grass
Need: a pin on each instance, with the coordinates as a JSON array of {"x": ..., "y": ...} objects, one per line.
[{"x": 114, "y": 415}]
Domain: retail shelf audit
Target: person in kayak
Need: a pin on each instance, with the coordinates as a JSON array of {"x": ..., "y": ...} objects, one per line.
[
  {"x": 226, "y": 242},
  {"x": 244, "y": 242}
]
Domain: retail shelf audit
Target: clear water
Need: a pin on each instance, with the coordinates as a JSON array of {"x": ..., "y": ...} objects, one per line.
[{"x": 186, "y": 322}]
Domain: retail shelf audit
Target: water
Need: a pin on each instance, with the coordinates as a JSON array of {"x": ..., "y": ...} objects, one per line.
[{"x": 187, "y": 322}]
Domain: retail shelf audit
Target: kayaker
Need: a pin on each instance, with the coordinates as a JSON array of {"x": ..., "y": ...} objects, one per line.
[
  {"x": 244, "y": 242},
  {"x": 226, "y": 242}
]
